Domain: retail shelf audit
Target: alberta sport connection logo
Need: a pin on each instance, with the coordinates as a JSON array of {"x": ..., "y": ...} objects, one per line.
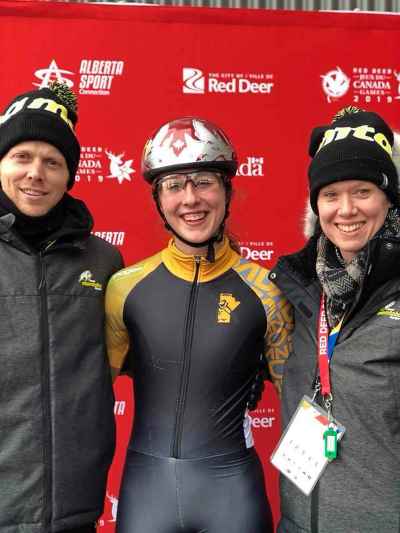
[
  {"x": 94, "y": 76},
  {"x": 196, "y": 81}
]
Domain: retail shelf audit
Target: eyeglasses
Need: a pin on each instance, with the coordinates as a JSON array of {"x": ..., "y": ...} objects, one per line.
[{"x": 175, "y": 183}]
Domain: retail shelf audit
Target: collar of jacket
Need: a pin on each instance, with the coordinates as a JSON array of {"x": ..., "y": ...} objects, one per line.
[
  {"x": 299, "y": 265},
  {"x": 184, "y": 266},
  {"x": 11, "y": 237},
  {"x": 6, "y": 222},
  {"x": 384, "y": 260}
]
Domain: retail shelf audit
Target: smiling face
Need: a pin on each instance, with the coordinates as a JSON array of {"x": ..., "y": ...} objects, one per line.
[
  {"x": 350, "y": 213},
  {"x": 34, "y": 175},
  {"x": 195, "y": 213}
]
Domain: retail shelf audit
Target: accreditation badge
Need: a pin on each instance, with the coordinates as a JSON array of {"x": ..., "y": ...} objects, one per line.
[{"x": 308, "y": 445}]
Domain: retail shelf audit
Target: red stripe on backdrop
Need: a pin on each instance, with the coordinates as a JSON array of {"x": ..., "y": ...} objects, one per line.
[{"x": 266, "y": 77}]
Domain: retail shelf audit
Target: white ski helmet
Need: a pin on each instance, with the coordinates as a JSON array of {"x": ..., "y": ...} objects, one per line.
[{"x": 188, "y": 143}]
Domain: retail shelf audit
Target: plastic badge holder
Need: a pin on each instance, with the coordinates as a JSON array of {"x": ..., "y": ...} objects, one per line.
[{"x": 300, "y": 453}]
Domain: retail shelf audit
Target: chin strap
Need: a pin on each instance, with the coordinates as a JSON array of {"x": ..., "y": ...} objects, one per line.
[{"x": 209, "y": 242}]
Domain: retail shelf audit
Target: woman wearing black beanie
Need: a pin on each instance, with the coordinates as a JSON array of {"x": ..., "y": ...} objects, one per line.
[{"x": 344, "y": 286}]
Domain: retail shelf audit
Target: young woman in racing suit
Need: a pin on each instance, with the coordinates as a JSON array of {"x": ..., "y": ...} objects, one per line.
[{"x": 194, "y": 325}]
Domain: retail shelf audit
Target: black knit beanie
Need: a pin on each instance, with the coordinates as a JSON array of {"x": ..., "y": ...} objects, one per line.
[
  {"x": 357, "y": 145},
  {"x": 47, "y": 115}
]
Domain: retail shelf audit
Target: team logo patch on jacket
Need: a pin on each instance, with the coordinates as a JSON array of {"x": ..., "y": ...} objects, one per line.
[
  {"x": 390, "y": 311},
  {"x": 86, "y": 280},
  {"x": 226, "y": 305}
]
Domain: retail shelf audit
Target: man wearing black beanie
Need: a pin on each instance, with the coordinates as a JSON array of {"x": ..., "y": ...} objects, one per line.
[{"x": 56, "y": 400}]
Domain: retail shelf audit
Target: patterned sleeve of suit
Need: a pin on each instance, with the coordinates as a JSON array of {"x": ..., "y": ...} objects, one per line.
[{"x": 278, "y": 340}]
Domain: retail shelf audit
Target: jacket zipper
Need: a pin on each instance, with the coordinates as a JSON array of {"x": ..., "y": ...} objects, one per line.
[
  {"x": 47, "y": 446},
  {"x": 184, "y": 380}
]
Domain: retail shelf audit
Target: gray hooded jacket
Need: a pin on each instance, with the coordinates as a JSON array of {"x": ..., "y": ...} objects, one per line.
[{"x": 359, "y": 492}]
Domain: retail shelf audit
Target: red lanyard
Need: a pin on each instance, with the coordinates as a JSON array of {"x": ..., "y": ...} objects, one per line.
[
  {"x": 326, "y": 344},
  {"x": 323, "y": 356}
]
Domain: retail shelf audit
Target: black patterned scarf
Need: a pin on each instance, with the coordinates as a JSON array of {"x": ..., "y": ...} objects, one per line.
[{"x": 343, "y": 282}]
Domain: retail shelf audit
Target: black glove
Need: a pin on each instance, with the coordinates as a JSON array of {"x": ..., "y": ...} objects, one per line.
[{"x": 257, "y": 387}]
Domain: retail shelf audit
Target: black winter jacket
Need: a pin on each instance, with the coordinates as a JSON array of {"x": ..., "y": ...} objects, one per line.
[{"x": 56, "y": 400}]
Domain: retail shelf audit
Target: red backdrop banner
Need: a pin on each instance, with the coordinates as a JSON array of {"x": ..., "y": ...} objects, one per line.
[{"x": 266, "y": 77}]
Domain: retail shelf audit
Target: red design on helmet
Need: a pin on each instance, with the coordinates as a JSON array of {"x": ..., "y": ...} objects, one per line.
[{"x": 188, "y": 143}]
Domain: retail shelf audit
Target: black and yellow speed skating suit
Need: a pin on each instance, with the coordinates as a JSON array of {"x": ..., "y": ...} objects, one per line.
[{"x": 192, "y": 333}]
